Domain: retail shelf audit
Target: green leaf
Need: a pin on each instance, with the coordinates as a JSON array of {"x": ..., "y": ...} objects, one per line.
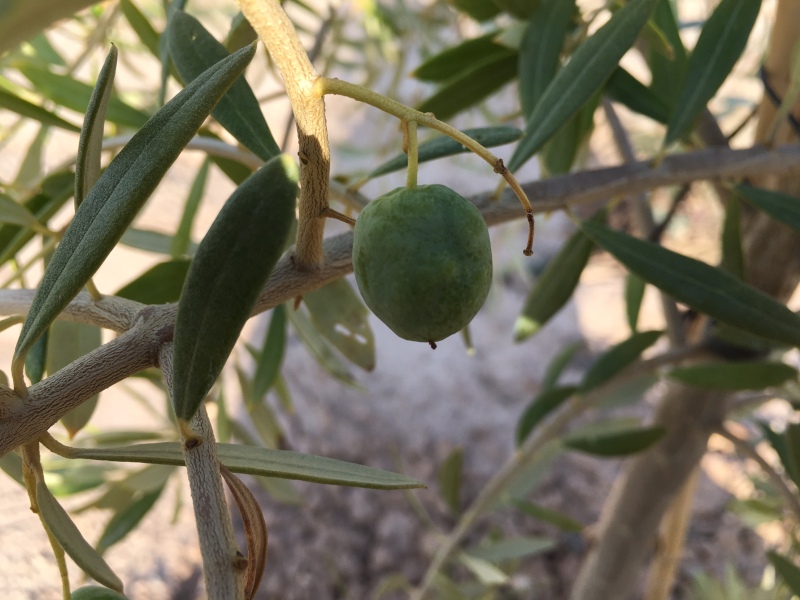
[
  {"x": 512, "y": 549},
  {"x": 788, "y": 571},
  {"x": 183, "y": 236},
  {"x": 586, "y": 72},
  {"x": 17, "y": 214},
  {"x": 540, "y": 53},
  {"x": 486, "y": 572},
  {"x": 721, "y": 42},
  {"x": 450, "y": 477},
  {"x": 781, "y": 207},
  {"x": 320, "y": 349},
  {"x": 21, "y": 19},
  {"x": 735, "y": 376},
  {"x": 614, "y": 442},
  {"x": 87, "y": 163},
  {"x": 791, "y": 439},
  {"x": 36, "y": 361},
  {"x": 267, "y": 462},
  {"x": 11, "y": 464},
  {"x": 629, "y": 91},
  {"x": 160, "y": 284},
  {"x": 121, "y": 191},
  {"x": 66, "y": 343},
  {"x": 560, "y": 151},
  {"x": 480, "y": 10},
  {"x": 231, "y": 266},
  {"x": 558, "y": 364},
  {"x": 521, "y": 9},
  {"x": 668, "y": 76},
  {"x": 442, "y": 146},
  {"x": 704, "y": 288},
  {"x": 471, "y": 87},
  {"x": 27, "y": 109},
  {"x": 269, "y": 361},
  {"x": 193, "y": 50},
  {"x": 31, "y": 169},
  {"x": 241, "y": 33},
  {"x": 93, "y": 592},
  {"x": 555, "y": 286},
  {"x": 616, "y": 358},
  {"x": 71, "y": 540},
  {"x": 45, "y": 50},
  {"x": 542, "y": 405},
  {"x": 124, "y": 521},
  {"x": 339, "y": 314},
  {"x": 56, "y": 189},
  {"x": 634, "y": 294},
  {"x": 75, "y": 95},
  {"x": 151, "y": 241},
  {"x": 560, "y": 520},
  {"x": 459, "y": 60},
  {"x": 141, "y": 26}
]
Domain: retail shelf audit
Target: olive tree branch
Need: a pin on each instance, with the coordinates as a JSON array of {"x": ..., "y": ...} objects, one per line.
[
  {"x": 222, "y": 562},
  {"x": 279, "y": 36}
]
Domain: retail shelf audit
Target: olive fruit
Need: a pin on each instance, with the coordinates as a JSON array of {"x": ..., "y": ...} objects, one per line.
[{"x": 422, "y": 261}]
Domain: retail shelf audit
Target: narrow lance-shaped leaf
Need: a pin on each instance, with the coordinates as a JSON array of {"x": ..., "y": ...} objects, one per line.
[
  {"x": 231, "y": 266},
  {"x": 193, "y": 49},
  {"x": 262, "y": 461},
  {"x": 704, "y": 288},
  {"x": 788, "y": 571},
  {"x": 269, "y": 361},
  {"x": 339, "y": 314},
  {"x": 626, "y": 89},
  {"x": 732, "y": 253},
  {"x": 121, "y": 191},
  {"x": 781, "y": 207},
  {"x": 183, "y": 236},
  {"x": 87, "y": 164},
  {"x": 540, "y": 52},
  {"x": 615, "y": 442},
  {"x": 75, "y": 95},
  {"x": 634, "y": 294},
  {"x": 555, "y": 286},
  {"x": 455, "y": 61},
  {"x": 735, "y": 376},
  {"x": 471, "y": 87},
  {"x": 616, "y": 358},
  {"x": 125, "y": 520},
  {"x": 17, "y": 214},
  {"x": 442, "y": 146},
  {"x": 450, "y": 477},
  {"x": 27, "y": 109},
  {"x": 558, "y": 364},
  {"x": 541, "y": 406},
  {"x": 71, "y": 540},
  {"x": 255, "y": 531},
  {"x": 160, "y": 284},
  {"x": 589, "y": 67},
  {"x": 141, "y": 25},
  {"x": 719, "y": 46},
  {"x": 668, "y": 74},
  {"x": 512, "y": 549}
]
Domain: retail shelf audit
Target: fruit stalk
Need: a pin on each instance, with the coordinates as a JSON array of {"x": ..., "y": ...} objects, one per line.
[{"x": 327, "y": 85}]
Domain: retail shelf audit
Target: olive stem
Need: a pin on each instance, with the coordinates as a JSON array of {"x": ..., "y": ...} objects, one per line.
[
  {"x": 328, "y": 85},
  {"x": 335, "y": 214},
  {"x": 411, "y": 148}
]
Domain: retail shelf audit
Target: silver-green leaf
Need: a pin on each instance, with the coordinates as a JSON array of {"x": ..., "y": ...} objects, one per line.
[{"x": 231, "y": 266}]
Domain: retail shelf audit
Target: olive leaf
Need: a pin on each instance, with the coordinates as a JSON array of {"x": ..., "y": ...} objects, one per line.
[
  {"x": 121, "y": 191},
  {"x": 616, "y": 358},
  {"x": 141, "y": 26},
  {"x": 269, "y": 361},
  {"x": 231, "y": 266},
  {"x": 586, "y": 72},
  {"x": 71, "y": 540},
  {"x": 24, "y": 108},
  {"x": 540, "y": 53},
  {"x": 735, "y": 376},
  {"x": 459, "y": 60},
  {"x": 706, "y": 289},
  {"x": 267, "y": 462},
  {"x": 781, "y": 207},
  {"x": 719, "y": 46},
  {"x": 547, "y": 401},
  {"x": 614, "y": 441},
  {"x": 183, "y": 236},
  {"x": 193, "y": 49},
  {"x": 160, "y": 284},
  {"x": 87, "y": 164}
]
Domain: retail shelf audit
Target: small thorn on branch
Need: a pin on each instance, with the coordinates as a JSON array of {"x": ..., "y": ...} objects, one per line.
[
  {"x": 499, "y": 167},
  {"x": 335, "y": 214}
]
